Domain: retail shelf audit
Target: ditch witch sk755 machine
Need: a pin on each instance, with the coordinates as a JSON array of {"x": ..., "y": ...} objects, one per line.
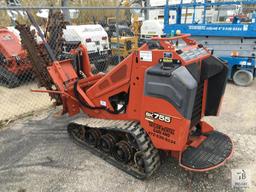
[{"x": 151, "y": 102}]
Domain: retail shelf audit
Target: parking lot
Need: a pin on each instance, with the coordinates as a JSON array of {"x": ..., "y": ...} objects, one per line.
[{"x": 36, "y": 154}]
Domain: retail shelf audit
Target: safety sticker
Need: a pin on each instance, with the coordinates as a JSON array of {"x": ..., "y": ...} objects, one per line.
[
  {"x": 103, "y": 103},
  {"x": 146, "y": 56}
]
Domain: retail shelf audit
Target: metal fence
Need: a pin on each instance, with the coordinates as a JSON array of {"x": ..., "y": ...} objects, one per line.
[
  {"x": 97, "y": 28},
  {"x": 101, "y": 30}
]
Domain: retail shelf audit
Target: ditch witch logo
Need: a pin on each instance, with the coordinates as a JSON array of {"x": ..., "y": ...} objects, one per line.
[{"x": 152, "y": 116}]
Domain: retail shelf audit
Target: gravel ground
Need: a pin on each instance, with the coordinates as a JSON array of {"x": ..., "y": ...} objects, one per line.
[
  {"x": 20, "y": 100},
  {"x": 37, "y": 155}
]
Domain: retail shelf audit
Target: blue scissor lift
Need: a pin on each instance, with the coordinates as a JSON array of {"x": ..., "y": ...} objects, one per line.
[{"x": 233, "y": 42}]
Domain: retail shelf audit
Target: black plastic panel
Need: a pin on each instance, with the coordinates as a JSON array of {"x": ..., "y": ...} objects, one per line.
[
  {"x": 216, "y": 72},
  {"x": 195, "y": 71},
  {"x": 197, "y": 109},
  {"x": 177, "y": 86}
]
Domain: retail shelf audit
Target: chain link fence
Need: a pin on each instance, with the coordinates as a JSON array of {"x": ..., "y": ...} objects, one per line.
[{"x": 107, "y": 34}]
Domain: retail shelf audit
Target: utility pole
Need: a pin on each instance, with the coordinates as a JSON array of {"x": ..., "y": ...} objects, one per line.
[
  {"x": 146, "y": 11},
  {"x": 64, "y": 3}
]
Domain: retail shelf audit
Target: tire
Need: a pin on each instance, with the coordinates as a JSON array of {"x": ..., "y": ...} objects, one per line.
[
  {"x": 243, "y": 78},
  {"x": 8, "y": 79},
  {"x": 12, "y": 82}
]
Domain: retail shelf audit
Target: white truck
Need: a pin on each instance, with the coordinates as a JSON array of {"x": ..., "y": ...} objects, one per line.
[
  {"x": 96, "y": 40},
  {"x": 151, "y": 28}
]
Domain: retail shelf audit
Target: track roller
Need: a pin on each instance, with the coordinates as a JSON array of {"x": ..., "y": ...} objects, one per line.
[
  {"x": 123, "y": 152},
  {"x": 138, "y": 159},
  {"x": 79, "y": 131},
  {"x": 92, "y": 136},
  {"x": 107, "y": 143}
]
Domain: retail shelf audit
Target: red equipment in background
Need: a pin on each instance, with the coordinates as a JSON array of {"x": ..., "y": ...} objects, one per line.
[{"x": 14, "y": 64}]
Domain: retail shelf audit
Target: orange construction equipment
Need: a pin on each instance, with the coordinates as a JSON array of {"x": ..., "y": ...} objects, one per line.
[
  {"x": 14, "y": 64},
  {"x": 151, "y": 103}
]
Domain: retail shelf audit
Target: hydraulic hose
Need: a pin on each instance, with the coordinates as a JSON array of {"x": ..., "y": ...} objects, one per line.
[{"x": 86, "y": 105}]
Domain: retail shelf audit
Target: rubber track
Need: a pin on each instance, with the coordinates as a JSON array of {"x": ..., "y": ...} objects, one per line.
[{"x": 150, "y": 153}]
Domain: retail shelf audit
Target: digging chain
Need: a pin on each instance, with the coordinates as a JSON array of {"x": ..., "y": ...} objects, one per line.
[
  {"x": 39, "y": 58},
  {"x": 54, "y": 32}
]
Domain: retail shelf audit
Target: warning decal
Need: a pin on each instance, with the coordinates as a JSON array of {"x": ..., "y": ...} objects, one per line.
[{"x": 146, "y": 56}]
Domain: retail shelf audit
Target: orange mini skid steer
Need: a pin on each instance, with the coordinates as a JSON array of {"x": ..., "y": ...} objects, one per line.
[{"x": 151, "y": 102}]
